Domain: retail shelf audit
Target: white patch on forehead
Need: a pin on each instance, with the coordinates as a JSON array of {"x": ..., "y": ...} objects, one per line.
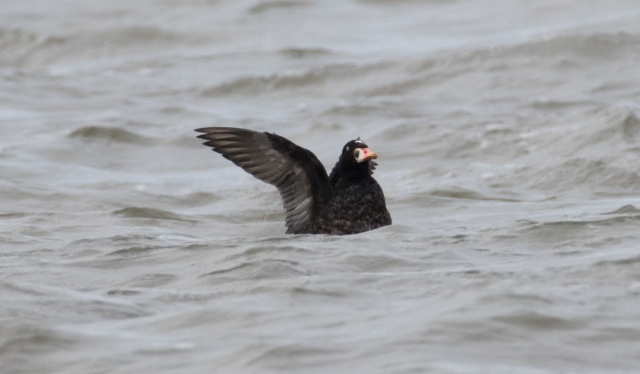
[{"x": 359, "y": 142}]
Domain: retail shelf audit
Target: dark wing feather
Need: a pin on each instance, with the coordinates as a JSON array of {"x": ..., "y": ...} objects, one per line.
[{"x": 297, "y": 173}]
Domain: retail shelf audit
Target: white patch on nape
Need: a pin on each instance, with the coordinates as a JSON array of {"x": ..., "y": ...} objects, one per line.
[{"x": 347, "y": 149}]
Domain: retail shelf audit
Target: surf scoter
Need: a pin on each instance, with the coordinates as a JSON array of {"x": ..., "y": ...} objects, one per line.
[{"x": 348, "y": 201}]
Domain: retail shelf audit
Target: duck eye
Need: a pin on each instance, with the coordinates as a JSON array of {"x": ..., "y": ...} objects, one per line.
[{"x": 356, "y": 153}]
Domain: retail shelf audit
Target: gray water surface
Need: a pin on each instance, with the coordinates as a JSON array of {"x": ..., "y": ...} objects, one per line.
[{"x": 509, "y": 142}]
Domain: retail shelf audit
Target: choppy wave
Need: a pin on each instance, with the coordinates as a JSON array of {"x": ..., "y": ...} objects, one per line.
[
  {"x": 559, "y": 51},
  {"x": 632, "y": 261},
  {"x": 150, "y": 213},
  {"x": 627, "y": 209},
  {"x": 278, "y": 82},
  {"x": 263, "y": 269},
  {"x": 580, "y": 173},
  {"x": 193, "y": 199},
  {"x": 597, "y": 46},
  {"x": 19, "y": 47},
  {"x": 509, "y": 157},
  {"x": 462, "y": 193},
  {"x": 13, "y": 42},
  {"x": 580, "y": 233},
  {"x": 134, "y": 251},
  {"x": 265, "y": 6},
  {"x": 536, "y": 321},
  {"x": 19, "y": 342},
  {"x": 108, "y": 134},
  {"x": 297, "y": 53}
]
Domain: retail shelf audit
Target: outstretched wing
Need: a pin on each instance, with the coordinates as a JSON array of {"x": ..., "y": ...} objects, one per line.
[{"x": 297, "y": 173}]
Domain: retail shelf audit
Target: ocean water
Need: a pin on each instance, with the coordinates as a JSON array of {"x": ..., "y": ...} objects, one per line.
[{"x": 508, "y": 135}]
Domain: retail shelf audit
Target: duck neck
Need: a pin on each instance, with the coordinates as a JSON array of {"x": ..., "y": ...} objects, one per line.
[{"x": 356, "y": 171}]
